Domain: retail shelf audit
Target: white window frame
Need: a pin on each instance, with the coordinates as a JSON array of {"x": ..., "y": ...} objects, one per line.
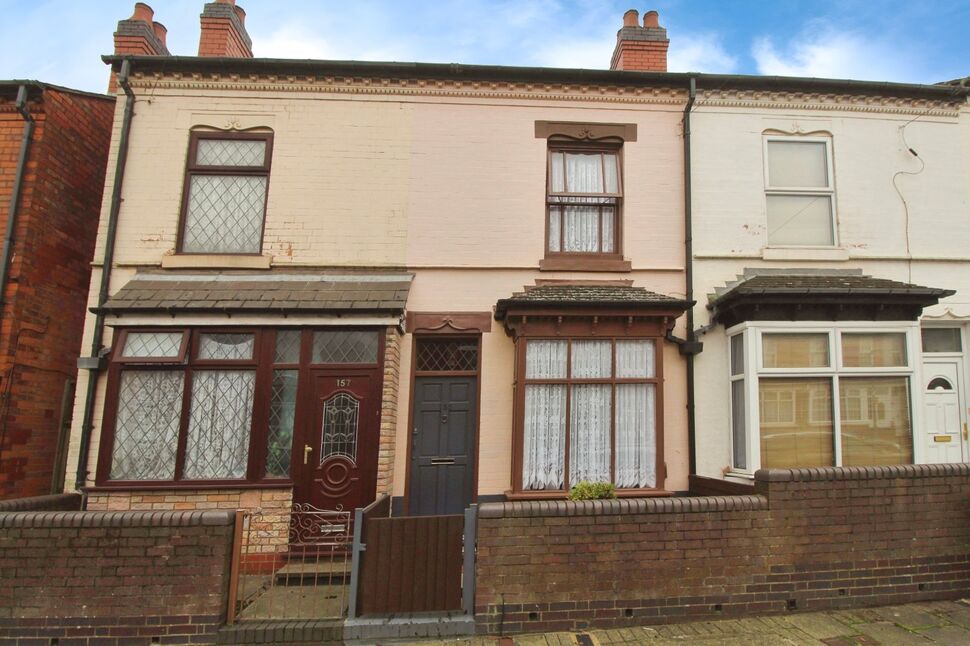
[
  {"x": 753, "y": 357},
  {"x": 802, "y": 190}
]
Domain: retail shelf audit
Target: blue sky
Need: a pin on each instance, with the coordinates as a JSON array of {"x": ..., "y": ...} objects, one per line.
[{"x": 921, "y": 41}]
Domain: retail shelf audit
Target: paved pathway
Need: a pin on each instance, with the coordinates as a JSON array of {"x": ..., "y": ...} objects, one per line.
[{"x": 939, "y": 622}]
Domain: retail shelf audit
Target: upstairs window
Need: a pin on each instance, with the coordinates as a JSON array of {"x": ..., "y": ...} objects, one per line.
[
  {"x": 224, "y": 201},
  {"x": 583, "y": 201},
  {"x": 799, "y": 192}
]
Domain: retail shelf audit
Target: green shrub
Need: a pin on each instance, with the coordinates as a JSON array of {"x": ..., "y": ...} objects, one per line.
[{"x": 592, "y": 491}]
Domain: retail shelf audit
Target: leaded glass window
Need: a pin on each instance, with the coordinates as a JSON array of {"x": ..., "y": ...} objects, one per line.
[
  {"x": 282, "y": 413},
  {"x": 447, "y": 355},
  {"x": 225, "y": 185},
  {"x": 343, "y": 346},
  {"x": 153, "y": 345},
  {"x": 226, "y": 347},
  {"x": 147, "y": 425},
  {"x": 220, "y": 420},
  {"x": 340, "y": 417}
]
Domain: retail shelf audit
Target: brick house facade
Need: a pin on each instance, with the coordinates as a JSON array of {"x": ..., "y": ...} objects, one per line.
[{"x": 47, "y": 272}]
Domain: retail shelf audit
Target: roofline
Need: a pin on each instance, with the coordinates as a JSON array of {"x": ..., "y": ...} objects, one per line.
[
  {"x": 533, "y": 74},
  {"x": 503, "y": 306},
  {"x": 285, "y": 311},
  {"x": 40, "y": 86}
]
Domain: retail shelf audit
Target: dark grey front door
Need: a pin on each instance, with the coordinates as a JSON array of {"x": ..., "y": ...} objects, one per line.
[{"x": 442, "y": 445}]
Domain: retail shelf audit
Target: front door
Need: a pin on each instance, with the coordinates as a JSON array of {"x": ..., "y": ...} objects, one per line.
[
  {"x": 339, "y": 453},
  {"x": 442, "y": 445},
  {"x": 943, "y": 411}
]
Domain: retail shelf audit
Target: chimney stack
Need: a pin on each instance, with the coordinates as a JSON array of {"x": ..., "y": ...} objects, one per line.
[
  {"x": 641, "y": 49},
  {"x": 139, "y": 36},
  {"x": 224, "y": 31}
]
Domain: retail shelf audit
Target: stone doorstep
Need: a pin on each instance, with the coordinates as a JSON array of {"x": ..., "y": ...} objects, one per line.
[
  {"x": 364, "y": 630},
  {"x": 280, "y": 632}
]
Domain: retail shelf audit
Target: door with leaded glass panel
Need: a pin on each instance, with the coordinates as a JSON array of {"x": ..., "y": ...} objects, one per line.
[{"x": 339, "y": 454}]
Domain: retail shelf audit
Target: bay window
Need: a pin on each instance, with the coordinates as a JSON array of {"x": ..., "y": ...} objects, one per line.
[
  {"x": 821, "y": 395},
  {"x": 209, "y": 405},
  {"x": 589, "y": 413}
]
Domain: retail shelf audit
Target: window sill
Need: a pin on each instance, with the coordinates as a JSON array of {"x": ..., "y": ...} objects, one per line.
[
  {"x": 563, "y": 495},
  {"x": 805, "y": 253},
  {"x": 585, "y": 263},
  {"x": 216, "y": 261},
  {"x": 107, "y": 487}
]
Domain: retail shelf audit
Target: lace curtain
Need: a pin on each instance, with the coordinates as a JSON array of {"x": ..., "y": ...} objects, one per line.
[
  {"x": 544, "y": 446},
  {"x": 591, "y": 413},
  {"x": 220, "y": 419}
]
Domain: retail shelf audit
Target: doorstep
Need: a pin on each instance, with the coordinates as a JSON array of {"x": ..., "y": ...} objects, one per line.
[
  {"x": 364, "y": 630},
  {"x": 283, "y": 632}
]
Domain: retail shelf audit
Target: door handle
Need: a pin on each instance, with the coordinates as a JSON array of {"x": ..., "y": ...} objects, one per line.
[{"x": 306, "y": 453}]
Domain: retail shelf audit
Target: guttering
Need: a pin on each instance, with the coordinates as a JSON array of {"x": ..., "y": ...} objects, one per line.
[
  {"x": 691, "y": 347},
  {"x": 94, "y": 361},
  {"x": 18, "y": 180}
]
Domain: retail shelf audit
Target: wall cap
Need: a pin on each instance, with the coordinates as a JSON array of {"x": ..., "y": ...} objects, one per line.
[
  {"x": 820, "y": 474},
  {"x": 61, "y": 501},
  {"x": 89, "y": 519},
  {"x": 623, "y": 506}
]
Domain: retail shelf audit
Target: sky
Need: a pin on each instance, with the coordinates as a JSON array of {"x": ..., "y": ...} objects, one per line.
[{"x": 915, "y": 41}]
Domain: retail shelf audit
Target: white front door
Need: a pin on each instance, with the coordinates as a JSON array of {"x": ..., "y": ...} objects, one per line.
[{"x": 943, "y": 410}]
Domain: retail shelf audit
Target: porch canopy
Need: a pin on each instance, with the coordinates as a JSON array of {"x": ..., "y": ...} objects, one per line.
[
  {"x": 593, "y": 303},
  {"x": 829, "y": 295},
  {"x": 299, "y": 294}
]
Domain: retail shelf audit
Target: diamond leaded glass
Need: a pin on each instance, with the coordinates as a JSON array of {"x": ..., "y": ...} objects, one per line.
[
  {"x": 340, "y": 415},
  {"x": 147, "y": 424},
  {"x": 226, "y": 347},
  {"x": 345, "y": 346},
  {"x": 447, "y": 354},
  {"x": 225, "y": 214},
  {"x": 153, "y": 344},
  {"x": 231, "y": 152},
  {"x": 282, "y": 412},
  {"x": 287, "y": 346},
  {"x": 220, "y": 419}
]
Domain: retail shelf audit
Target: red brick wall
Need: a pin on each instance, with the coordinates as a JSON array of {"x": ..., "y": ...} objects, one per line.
[
  {"x": 109, "y": 576},
  {"x": 809, "y": 539},
  {"x": 46, "y": 294}
]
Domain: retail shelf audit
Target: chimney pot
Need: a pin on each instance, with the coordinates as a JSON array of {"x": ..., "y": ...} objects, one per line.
[
  {"x": 143, "y": 12},
  {"x": 651, "y": 19},
  {"x": 226, "y": 1},
  {"x": 160, "y": 31},
  {"x": 224, "y": 31},
  {"x": 631, "y": 18}
]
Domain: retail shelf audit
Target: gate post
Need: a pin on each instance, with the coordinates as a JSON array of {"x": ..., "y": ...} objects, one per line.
[
  {"x": 468, "y": 567},
  {"x": 355, "y": 563}
]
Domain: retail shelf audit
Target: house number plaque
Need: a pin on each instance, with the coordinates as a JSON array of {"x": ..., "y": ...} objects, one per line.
[{"x": 343, "y": 383}]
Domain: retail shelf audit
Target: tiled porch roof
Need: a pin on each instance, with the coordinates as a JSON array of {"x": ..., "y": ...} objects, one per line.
[
  {"x": 819, "y": 295},
  {"x": 274, "y": 292},
  {"x": 589, "y": 296}
]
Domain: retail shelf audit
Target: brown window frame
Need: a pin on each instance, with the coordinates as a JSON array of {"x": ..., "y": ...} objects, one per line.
[
  {"x": 580, "y": 324},
  {"x": 602, "y": 147},
  {"x": 263, "y": 363},
  {"x": 193, "y": 169}
]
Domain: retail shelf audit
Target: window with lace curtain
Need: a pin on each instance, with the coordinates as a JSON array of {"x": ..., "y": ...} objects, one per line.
[
  {"x": 584, "y": 193},
  {"x": 224, "y": 197},
  {"x": 210, "y": 405},
  {"x": 590, "y": 413}
]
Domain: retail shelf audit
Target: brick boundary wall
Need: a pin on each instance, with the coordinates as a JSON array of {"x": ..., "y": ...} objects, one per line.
[
  {"x": 807, "y": 539},
  {"x": 55, "y": 502},
  {"x": 114, "y": 577}
]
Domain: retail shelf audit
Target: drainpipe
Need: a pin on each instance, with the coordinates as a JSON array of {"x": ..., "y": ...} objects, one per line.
[
  {"x": 692, "y": 346},
  {"x": 18, "y": 180},
  {"x": 94, "y": 363}
]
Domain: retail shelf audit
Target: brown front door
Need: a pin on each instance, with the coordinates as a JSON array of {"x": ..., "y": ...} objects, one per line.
[{"x": 341, "y": 432}]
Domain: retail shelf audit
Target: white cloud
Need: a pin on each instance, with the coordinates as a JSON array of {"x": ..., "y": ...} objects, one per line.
[
  {"x": 699, "y": 53},
  {"x": 293, "y": 41},
  {"x": 834, "y": 54}
]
